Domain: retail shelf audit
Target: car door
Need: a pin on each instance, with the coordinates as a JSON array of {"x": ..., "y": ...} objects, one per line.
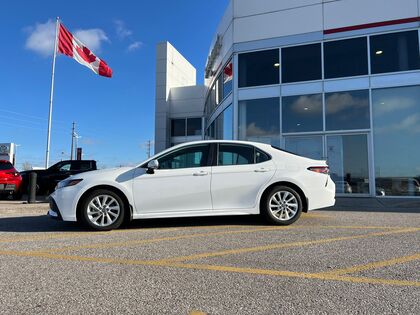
[
  {"x": 238, "y": 175},
  {"x": 180, "y": 184}
]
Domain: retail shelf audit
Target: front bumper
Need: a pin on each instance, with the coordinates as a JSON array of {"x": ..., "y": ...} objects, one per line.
[{"x": 54, "y": 212}]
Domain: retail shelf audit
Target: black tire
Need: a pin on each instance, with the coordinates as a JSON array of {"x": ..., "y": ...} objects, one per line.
[
  {"x": 281, "y": 219},
  {"x": 85, "y": 206}
]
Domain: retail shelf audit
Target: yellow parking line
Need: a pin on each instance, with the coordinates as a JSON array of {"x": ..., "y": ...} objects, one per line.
[
  {"x": 283, "y": 273},
  {"x": 48, "y": 236},
  {"x": 284, "y": 245},
  {"x": 162, "y": 239},
  {"x": 374, "y": 265},
  {"x": 256, "y": 271}
]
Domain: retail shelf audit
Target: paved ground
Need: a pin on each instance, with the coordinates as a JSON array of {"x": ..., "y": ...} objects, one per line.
[{"x": 328, "y": 262}]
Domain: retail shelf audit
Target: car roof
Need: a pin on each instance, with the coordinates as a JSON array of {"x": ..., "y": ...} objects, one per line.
[{"x": 257, "y": 144}]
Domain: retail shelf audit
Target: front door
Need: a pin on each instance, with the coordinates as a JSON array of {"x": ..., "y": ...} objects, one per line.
[{"x": 180, "y": 184}]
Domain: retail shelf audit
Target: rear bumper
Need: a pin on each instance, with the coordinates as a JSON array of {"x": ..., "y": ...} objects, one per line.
[
  {"x": 9, "y": 187},
  {"x": 54, "y": 212},
  {"x": 322, "y": 197}
]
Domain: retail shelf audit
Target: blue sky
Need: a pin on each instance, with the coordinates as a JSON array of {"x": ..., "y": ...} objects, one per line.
[{"x": 115, "y": 117}]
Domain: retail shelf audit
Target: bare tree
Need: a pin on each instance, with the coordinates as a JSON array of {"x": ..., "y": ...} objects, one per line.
[{"x": 26, "y": 166}]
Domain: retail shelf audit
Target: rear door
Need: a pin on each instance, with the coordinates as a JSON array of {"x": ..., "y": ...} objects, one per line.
[{"x": 239, "y": 173}]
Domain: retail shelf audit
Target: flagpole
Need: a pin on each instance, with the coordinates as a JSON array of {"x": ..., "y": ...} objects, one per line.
[{"x": 47, "y": 155}]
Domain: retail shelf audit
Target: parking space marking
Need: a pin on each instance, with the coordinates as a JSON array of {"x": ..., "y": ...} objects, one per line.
[
  {"x": 48, "y": 236},
  {"x": 256, "y": 271},
  {"x": 285, "y": 245},
  {"x": 374, "y": 265},
  {"x": 162, "y": 239},
  {"x": 292, "y": 274}
]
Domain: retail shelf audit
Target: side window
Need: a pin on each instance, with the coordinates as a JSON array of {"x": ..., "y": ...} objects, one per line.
[
  {"x": 195, "y": 156},
  {"x": 80, "y": 166},
  {"x": 261, "y": 156},
  {"x": 64, "y": 167},
  {"x": 235, "y": 154}
]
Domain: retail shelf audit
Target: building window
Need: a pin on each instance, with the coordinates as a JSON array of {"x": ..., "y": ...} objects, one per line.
[
  {"x": 259, "y": 68},
  {"x": 302, "y": 113},
  {"x": 194, "y": 126},
  {"x": 259, "y": 120},
  {"x": 396, "y": 131},
  {"x": 227, "y": 79},
  {"x": 178, "y": 127},
  {"x": 224, "y": 124},
  {"x": 301, "y": 63},
  {"x": 344, "y": 58},
  {"x": 348, "y": 162},
  {"x": 308, "y": 146},
  {"x": 395, "y": 52},
  {"x": 347, "y": 110}
]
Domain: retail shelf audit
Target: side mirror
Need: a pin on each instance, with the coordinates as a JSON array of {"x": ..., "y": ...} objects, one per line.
[{"x": 152, "y": 166}]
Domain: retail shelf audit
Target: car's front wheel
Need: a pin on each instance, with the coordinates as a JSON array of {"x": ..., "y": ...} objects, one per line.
[
  {"x": 102, "y": 210},
  {"x": 283, "y": 205}
]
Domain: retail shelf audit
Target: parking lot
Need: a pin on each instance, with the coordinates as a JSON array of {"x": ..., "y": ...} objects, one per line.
[{"x": 329, "y": 261}]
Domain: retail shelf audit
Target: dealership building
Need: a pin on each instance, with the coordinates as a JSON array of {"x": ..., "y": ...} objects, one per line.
[{"x": 334, "y": 80}]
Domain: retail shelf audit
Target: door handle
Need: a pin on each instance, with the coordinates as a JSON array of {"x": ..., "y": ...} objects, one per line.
[
  {"x": 201, "y": 173},
  {"x": 261, "y": 170}
]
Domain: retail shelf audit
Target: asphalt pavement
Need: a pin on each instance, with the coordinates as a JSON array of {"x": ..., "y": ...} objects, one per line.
[{"x": 342, "y": 262}]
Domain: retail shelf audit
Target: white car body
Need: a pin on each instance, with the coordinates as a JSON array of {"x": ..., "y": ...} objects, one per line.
[{"x": 201, "y": 191}]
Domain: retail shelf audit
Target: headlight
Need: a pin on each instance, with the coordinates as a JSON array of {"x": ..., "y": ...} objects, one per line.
[{"x": 67, "y": 183}]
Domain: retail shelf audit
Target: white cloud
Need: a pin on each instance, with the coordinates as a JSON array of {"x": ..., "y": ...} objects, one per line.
[
  {"x": 121, "y": 30},
  {"x": 92, "y": 38},
  {"x": 134, "y": 46},
  {"x": 41, "y": 38}
]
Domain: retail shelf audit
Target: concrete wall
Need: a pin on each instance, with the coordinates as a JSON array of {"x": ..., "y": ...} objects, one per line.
[{"x": 172, "y": 70}]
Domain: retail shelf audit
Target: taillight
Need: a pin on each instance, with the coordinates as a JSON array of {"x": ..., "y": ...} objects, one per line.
[
  {"x": 319, "y": 169},
  {"x": 15, "y": 174}
]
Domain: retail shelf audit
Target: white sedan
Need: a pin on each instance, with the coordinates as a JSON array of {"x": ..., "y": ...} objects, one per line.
[{"x": 204, "y": 178}]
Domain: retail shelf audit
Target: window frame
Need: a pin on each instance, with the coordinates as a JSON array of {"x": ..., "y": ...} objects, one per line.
[{"x": 216, "y": 151}]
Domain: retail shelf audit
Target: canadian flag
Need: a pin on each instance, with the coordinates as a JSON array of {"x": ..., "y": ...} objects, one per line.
[
  {"x": 228, "y": 71},
  {"x": 74, "y": 48}
]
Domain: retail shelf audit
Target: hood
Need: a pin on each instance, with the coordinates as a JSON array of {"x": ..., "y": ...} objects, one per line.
[{"x": 111, "y": 173}]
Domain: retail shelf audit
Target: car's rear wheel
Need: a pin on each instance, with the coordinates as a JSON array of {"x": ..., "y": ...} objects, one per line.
[
  {"x": 283, "y": 205},
  {"x": 103, "y": 210}
]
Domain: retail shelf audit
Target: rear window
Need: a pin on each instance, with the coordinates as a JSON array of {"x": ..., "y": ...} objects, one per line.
[
  {"x": 81, "y": 166},
  {"x": 4, "y": 166}
]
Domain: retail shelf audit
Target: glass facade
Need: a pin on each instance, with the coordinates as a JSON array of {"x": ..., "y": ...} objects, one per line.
[
  {"x": 259, "y": 120},
  {"x": 364, "y": 119},
  {"x": 396, "y": 134}
]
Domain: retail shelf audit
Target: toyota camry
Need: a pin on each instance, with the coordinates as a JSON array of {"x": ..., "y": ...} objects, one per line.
[{"x": 204, "y": 178}]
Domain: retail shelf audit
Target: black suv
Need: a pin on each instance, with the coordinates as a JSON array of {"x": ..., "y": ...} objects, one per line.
[{"x": 48, "y": 179}]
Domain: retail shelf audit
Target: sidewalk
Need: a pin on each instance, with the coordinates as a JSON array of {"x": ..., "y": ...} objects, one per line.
[{"x": 411, "y": 205}]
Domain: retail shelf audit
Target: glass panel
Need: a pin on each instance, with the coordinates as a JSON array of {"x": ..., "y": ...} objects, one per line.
[
  {"x": 210, "y": 131},
  {"x": 347, "y": 110},
  {"x": 219, "y": 89},
  {"x": 259, "y": 120},
  {"x": 235, "y": 155},
  {"x": 195, "y": 156},
  {"x": 227, "y": 79},
  {"x": 301, "y": 63},
  {"x": 395, "y": 52},
  {"x": 396, "y": 131},
  {"x": 261, "y": 156},
  {"x": 259, "y": 68},
  {"x": 193, "y": 126},
  {"x": 345, "y": 58},
  {"x": 178, "y": 127},
  {"x": 302, "y": 113},
  {"x": 310, "y": 147},
  {"x": 348, "y": 162}
]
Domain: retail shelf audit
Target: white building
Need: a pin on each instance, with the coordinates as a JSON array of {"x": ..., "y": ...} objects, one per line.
[{"x": 336, "y": 80}]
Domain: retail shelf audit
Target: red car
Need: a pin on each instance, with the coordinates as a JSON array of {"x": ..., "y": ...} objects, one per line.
[{"x": 10, "y": 180}]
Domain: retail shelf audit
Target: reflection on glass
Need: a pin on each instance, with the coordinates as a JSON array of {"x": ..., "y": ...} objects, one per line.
[
  {"x": 259, "y": 68},
  {"x": 344, "y": 58},
  {"x": 194, "y": 126},
  {"x": 348, "y": 162},
  {"x": 396, "y": 131},
  {"x": 227, "y": 79},
  {"x": 395, "y": 52},
  {"x": 178, "y": 127},
  {"x": 302, "y": 113},
  {"x": 301, "y": 63},
  {"x": 310, "y": 147},
  {"x": 259, "y": 120},
  {"x": 228, "y": 123},
  {"x": 347, "y": 110}
]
